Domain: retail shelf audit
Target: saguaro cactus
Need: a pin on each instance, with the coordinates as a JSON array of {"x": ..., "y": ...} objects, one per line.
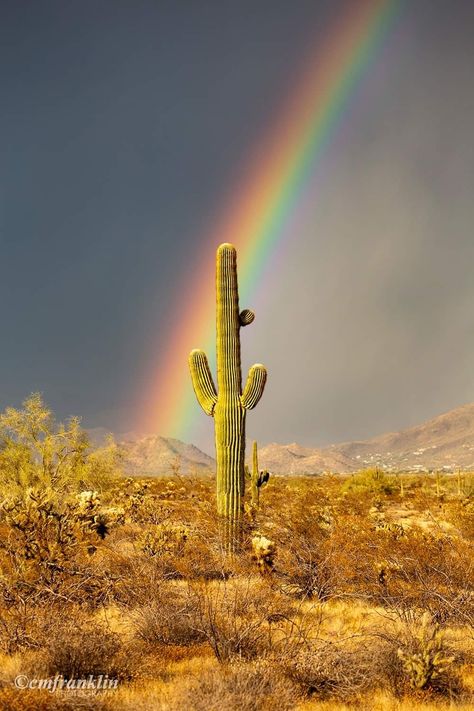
[
  {"x": 229, "y": 404},
  {"x": 258, "y": 478}
]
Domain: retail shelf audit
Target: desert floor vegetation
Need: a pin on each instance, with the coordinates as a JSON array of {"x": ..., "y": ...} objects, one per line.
[{"x": 349, "y": 591}]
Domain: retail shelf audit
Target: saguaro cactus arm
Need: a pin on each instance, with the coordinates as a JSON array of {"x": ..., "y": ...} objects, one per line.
[
  {"x": 254, "y": 386},
  {"x": 246, "y": 317},
  {"x": 203, "y": 383}
]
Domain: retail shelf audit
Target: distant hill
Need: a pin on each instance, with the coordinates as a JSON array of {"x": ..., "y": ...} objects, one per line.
[
  {"x": 294, "y": 459},
  {"x": 445, "y": 442},
  {"x": 154, "y": 456}
]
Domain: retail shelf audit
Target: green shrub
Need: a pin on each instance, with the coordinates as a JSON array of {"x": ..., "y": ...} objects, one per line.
[{"x": 374, "y": 481}]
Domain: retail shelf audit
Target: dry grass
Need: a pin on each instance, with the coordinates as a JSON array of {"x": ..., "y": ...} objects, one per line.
[{"x": 368, "y": 602}]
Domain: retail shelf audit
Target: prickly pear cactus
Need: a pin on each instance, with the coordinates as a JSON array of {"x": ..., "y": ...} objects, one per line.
[{"x": 229, "y": 403}]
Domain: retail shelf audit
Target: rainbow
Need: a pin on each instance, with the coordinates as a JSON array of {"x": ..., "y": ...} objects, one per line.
[{"x": 254, "y": 218}]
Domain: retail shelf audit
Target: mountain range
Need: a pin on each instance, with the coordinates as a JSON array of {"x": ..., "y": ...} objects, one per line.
[{"x": 444, "y": 442}]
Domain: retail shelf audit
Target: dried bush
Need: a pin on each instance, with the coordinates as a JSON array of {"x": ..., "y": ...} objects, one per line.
[
  {"x": 77, "y": 651},
  {"x": 240, "y": 687},
  {"x": 137, "y": 578},
  {"x": 429, "y": 571},
  {"x": 418, "y": 658},
  {"x": 307, "y": 568},
  {"x": 238, "y": 619},
  {"x": 12, "y": 699},
  {"x": 332, "y": 670},
  {"x": 170, "y": 619},
  {"x": 48, "y": 547},
  {"x": 184, "y": 601}
]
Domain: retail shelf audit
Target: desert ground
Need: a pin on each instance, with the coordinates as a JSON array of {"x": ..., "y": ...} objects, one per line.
[{"x": 349, "y": 591}]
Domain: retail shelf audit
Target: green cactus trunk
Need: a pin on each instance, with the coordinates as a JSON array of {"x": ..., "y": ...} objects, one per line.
[
  {"x": 258, "y": 479},
  {"x": 255, "y": 489},
  {"x": 229, "y": 413},
  {"x": 229, "y": 405}
]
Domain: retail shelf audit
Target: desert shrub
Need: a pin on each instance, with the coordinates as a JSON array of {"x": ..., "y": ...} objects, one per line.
[
  {"x": 70, "y": 643},
  {"x": 26, "y": 602},
  {"x": 373, "y": 481},
  {"x": 329, "y": 560},
  {"x": 36, "y": 451},
  {"x": 165, "y": 541},
  {"x": 170, "y": 619},
  {"x": 12, "y": 699},
  {"x": 188, "y": 545},
  {"x": 17, "y": 624},
  {"x": 416, "y": 658},
  {"x": 429, "y": 571},
  {"x": 76, "y": 646},
  {"x": 461, "y": 514},
  {"x": 141, "y": 504},
  {"x": 306, "y": 569},
  {"x": 204, "y": 558},
  {"x": 304, "y": 556},
  {"x": 49, "y": 544},
  {"x": 332, "y": 670},
  {"x": 137, "y": 579},
  {"x": 238, "y": 618},
  {"x": 237, "y": 687},
  {"x": 179, "y": 551}
]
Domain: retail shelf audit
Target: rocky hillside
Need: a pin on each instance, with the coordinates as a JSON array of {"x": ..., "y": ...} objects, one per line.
[
  {"x": 445, "y": 442},
  {"x": 154, "y": 456},
  {"x": 294, "y": 459}
]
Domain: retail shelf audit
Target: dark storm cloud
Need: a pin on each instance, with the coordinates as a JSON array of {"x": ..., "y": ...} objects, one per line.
[
  {"x": 380, "y": 315},
  {"x": 123, "y": 124}
]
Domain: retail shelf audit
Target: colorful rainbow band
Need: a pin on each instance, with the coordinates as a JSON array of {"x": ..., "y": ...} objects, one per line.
[{"x": 254, "y": 221}]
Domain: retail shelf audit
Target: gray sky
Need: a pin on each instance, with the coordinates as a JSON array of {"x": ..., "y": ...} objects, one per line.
[{"x": 124, "y": 124}]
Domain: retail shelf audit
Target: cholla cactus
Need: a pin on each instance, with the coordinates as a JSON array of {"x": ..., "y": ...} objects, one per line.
[
  {"x": 42, "y": 531},
  {"x": 45, "y": 537},
  {"x": 429, "y": 660},
  {"x": 385, "y": 570},
  {"x": 258, "y": 479},
  {"x": 138, "y": 504},
  {"x": 325, "y": 518},
  {"x": 165, "y": 538},
  {"x": 88, "y": 500},
  {"x": 92, "y": 516},
  {"x": 229, "y": 404},
  {"x": 263, "y": 552},
  {"x": 89, "y": 514}
]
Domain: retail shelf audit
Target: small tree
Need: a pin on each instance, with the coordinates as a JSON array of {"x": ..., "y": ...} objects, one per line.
[{"x": 37, "y": 451}]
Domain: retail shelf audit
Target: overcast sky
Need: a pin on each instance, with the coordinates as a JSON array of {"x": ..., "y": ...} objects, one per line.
[{"x": 124, "y": 124}]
